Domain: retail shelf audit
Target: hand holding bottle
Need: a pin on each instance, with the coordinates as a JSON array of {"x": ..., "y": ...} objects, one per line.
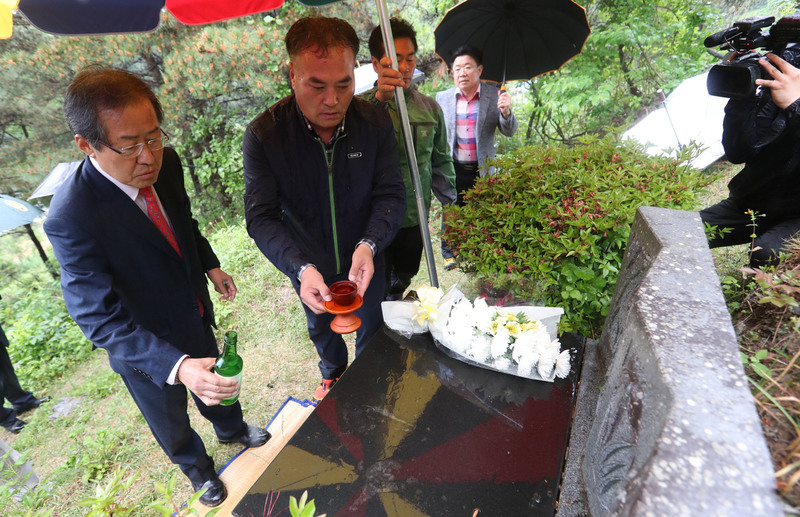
[{"x": 196, "y": 375}]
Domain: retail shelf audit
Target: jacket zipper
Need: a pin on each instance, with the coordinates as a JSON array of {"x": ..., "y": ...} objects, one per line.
[{"x": 329, "y": 161}]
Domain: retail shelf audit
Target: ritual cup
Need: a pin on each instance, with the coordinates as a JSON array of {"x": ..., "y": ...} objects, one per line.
[{"x": 343, "y": 292}]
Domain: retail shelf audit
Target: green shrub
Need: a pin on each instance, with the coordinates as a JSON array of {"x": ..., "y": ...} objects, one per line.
[
  {"x": 45, "y": 342},
  {"x": 553, "y": 221}
]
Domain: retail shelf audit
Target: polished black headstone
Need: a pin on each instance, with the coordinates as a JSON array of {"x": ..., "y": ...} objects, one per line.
[{"x": 409, "y": 431}]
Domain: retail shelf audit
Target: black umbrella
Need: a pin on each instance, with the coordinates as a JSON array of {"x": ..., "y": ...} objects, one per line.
[{"x": 520, "y": 39}]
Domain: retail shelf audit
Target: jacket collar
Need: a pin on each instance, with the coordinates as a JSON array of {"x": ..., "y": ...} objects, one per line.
[{"x": 336, "y": 134}]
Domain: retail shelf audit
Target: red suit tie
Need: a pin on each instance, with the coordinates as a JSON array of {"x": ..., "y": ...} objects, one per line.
[{"x": 157, "y": 216}]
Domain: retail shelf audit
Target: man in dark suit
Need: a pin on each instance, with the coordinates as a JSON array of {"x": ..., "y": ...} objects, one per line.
[
  {"x": 20, "y": 399},
  {"x": 134, "y": 266}
]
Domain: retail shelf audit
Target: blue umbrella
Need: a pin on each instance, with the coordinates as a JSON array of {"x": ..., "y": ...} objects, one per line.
[{"x": 15, "y": 212}]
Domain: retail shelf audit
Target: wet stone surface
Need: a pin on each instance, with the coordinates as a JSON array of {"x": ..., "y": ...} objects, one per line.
[
  {"x": 410, "y": 431},
  {"x": 668, "y": 424}
]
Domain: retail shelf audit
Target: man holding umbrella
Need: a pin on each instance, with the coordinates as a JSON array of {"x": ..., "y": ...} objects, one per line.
[
  {"x": 430, "y": 145},
  {"x": 472, "y": 111}
]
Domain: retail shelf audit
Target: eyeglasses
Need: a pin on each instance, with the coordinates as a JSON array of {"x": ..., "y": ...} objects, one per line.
[
  {"x": 466, "y": 68},
  {"x": 133, "y": 151}
]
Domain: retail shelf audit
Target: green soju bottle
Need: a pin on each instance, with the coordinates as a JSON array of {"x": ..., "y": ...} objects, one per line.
[{"x": 229, "y": 364}]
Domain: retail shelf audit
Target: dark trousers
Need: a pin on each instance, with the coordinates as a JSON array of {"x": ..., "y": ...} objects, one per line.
[
  {"x": 9, "y": 386},
  {"x": 330, "y": 346},
  {"x": 403, "y": 257},
  {"x": 165, "y": 410},
  {"x": 771, "y": 233},
  {"x": 466, "y": 176}
]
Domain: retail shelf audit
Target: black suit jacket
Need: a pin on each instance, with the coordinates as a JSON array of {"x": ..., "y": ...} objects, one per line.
[{"x": 124, "y": 285}]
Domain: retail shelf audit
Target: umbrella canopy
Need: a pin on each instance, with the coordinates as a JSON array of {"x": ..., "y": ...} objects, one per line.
[
  {"x": 520, "y": 39},
  {"x": 15, "y": 212},
  {"x": 688, "y": 114},
  {"x": 78, "y": 17}
]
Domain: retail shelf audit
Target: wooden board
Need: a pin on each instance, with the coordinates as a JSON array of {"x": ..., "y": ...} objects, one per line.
[{"x": 244, "y": 469}]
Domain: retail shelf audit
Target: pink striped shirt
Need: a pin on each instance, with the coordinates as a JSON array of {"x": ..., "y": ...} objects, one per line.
[{"x": 466, "y": 120}]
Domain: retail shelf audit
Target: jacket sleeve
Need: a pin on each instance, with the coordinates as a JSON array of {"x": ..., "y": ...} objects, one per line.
[
  {"x": 262, "y": 210},
  {"x": 508, "y": 126},
  {"x": 443, "y": 175},
  {"x": 88, "y": 288},
  {"x": 388, "y": 191},
  {"x": 753, "y": 123}
]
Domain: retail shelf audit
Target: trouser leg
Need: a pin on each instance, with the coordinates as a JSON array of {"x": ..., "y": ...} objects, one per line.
[
  {"x": 403, "y": 258},
  {"x": 733, "y": 225},
  {"x": 10, "y": 388},
  {"x": 770, "y": 238},
  {"x": 165, "y": 411},
  {"x": 466, "y": 176},
  {"x": 774, "y": 240},
  {"x": 370, "y": 311}
]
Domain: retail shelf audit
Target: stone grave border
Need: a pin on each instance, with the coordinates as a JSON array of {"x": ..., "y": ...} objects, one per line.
[{"x": 665, "y": 424}]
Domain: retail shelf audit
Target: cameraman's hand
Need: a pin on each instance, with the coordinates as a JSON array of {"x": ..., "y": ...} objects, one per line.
[{"x": 785, "y": 85}]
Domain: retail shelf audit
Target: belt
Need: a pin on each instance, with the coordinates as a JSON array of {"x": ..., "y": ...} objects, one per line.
[{"x": 466, "y": 167}]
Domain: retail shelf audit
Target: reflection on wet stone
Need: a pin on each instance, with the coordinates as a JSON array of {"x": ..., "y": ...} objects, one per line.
[{"x": 409, "y": 431}]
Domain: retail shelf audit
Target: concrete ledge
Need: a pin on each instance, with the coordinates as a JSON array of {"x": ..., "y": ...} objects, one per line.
[{"x": 665, "y": 424}]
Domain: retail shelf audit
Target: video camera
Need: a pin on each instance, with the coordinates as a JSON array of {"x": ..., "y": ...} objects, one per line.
[{"x": 736, "y": 77}]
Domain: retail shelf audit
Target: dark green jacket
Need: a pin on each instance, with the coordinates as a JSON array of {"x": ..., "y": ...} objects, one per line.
[{"x": 434, "y": 157}]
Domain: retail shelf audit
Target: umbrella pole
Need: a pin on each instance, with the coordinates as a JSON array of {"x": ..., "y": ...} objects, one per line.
[
  {"x": 402, "y": 111},
  {"x": 42, "y": 254}
]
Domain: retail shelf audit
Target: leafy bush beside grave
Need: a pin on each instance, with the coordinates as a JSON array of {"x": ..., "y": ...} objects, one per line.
[{"x": 553, "y": 222}]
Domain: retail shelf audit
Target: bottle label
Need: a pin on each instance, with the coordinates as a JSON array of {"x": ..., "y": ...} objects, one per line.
[{"x": 238, "y": 379}]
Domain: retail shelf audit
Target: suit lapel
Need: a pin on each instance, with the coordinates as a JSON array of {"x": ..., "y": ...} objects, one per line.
[
  {"x": 483, "y": 107},
  {"x": 113, "y": 202}
]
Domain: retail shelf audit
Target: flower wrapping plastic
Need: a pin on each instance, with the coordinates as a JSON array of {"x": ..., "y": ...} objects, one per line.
[{"x": 519, "y": 341}]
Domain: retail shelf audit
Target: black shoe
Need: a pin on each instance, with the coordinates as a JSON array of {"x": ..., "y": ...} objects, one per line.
[
  {"x": 215, "y": 491},
  {"x": 32, "y": 405},
  {"x": 252, "y": 436},
  {"x": 16, "y": 426}
]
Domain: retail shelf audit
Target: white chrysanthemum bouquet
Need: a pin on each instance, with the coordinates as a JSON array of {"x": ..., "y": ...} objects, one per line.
[
  {"x": 504, "y": 340},
  {"x": 511, "y": 340}
]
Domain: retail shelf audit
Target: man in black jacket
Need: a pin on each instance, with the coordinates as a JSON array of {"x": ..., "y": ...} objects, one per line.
[
  {"x": 323, "y": 190},
  {"x": 764, "y": 197}
]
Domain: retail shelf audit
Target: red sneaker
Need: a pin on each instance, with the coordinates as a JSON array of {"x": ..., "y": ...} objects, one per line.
[{"x": 323, "y": 389}]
